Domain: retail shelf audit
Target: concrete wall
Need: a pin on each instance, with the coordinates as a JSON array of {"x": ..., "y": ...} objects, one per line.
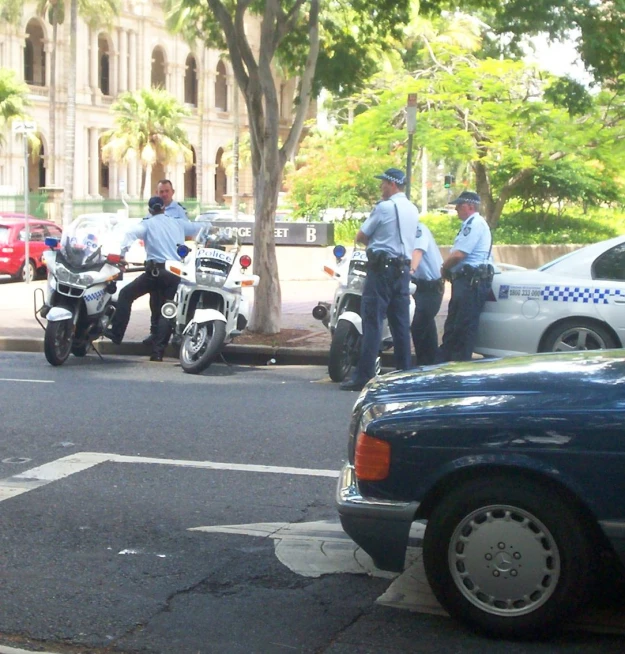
[{"x": 306, "y": 262}]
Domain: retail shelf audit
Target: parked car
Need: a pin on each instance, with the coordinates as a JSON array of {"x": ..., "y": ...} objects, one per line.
[
  {"x": 13, "y": 244},
  {"x": 576, "y": 302},
  {"x": 515, "y": 463}
]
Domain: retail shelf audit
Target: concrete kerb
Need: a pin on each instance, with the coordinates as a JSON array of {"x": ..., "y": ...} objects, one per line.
[{"x": 240, "y": 354}]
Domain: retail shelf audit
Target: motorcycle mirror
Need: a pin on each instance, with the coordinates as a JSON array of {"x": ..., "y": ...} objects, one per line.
[
  {"x": 245, "y": 261},
  {"x": 182, "y": 250},
  {"x": 339, "y": 251},
  {"x": 51, "y": 241}
]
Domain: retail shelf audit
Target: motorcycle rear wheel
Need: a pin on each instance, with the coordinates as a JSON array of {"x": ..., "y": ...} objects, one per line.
[
  {"x": 344, "y": 350},
  {"x": 57, "y": 342},
  {"x": 197, "y": 350}
]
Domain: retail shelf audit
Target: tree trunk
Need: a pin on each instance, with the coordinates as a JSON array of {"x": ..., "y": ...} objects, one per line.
[
  {"x": 267, "y": 311},
  {"x": 70, "y": 120},
  {"x": 235, "y": 151},
  {"x": 146, "y": 179}
]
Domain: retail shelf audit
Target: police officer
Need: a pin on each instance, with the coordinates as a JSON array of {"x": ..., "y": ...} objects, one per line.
[
  {"x": 389, "y": 234},
  {"x": 426, "y": 274},
  {"x": 165, "y": 190},
  {"x": 161, "y": 235},
  {"x": 469, "y": 268}
]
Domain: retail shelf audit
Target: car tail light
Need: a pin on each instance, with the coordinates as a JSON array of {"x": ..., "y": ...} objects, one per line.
[{"x": 372, "y": 461}]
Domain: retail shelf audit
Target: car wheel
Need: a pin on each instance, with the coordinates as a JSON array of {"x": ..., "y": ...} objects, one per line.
[
  {"x": 21, "y": 274},
  {"x": 577, "y": 335},
  {"x": 504, "y": 559}
]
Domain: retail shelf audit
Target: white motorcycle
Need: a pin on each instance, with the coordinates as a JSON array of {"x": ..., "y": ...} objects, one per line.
[
  {"x": 82, "y": 274},
  {"x": 209, "y": 309},
  {"x": 342, "y": 317}
]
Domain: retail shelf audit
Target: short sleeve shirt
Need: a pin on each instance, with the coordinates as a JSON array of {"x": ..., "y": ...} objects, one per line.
[
  {"x": 429, "y": 267},
  {"x": 474, "y": 239},
  {"x": 381, "y": 226},
  {"x": 175, "y": 210}
]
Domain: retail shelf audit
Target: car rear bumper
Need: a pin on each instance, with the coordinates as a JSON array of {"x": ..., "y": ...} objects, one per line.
[{"x": 380, "y": 527}]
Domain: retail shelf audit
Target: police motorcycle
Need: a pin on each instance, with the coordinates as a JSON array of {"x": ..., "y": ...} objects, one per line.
[
  {"x": 342, "y": 317},
  {"x": 209, "y": 309},
  {"x": 82, "y": 279}
]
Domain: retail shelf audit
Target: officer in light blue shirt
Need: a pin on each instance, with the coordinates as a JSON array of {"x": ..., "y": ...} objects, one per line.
[
  {"x": 426, "y": 274},
  {"x": 165, "y": 191},
  {"x": 390, "y": 234},
  {"x": 161, "y": 235},
  {"x": 469, "y": 268}
]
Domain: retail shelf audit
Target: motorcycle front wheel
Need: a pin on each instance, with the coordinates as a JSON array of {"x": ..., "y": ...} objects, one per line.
[
  {"x": 57, "y": 342},
  {"x": 344, "y": 350},
  {"x": 200, "y": 346}
]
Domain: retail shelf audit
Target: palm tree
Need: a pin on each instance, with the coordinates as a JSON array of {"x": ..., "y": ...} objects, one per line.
[
  {"x": 147, "y": 126},
  {"x": 13, "y": 99}
]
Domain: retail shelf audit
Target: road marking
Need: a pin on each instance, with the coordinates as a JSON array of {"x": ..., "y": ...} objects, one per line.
[
  {"x": 28, "y": 381},
  {"x": 69, "y": 465}
]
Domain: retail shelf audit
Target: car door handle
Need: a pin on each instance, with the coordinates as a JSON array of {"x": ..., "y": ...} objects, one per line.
[{"x": 619, "y": 299}]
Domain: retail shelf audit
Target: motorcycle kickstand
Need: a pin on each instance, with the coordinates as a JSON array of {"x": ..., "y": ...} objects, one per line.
[
  {"x": 93, "y": 347},
  {"x": 221, "y": 355}
]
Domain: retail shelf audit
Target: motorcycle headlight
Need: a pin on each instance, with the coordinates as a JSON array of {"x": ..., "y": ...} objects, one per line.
[
  {"x": 210, "y": 279},
  {"x": 75, "y": 279}
]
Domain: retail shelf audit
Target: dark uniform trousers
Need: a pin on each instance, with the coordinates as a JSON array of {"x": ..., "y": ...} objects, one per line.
[
  {"x": 466, "y": 304},
  {"x": 386, "y": 294},
  {"x": 428, "y": 298},
  {"x": 164, "y": 285}
]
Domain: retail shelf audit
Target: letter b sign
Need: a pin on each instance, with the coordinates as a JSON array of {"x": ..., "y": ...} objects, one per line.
[{"x": 311, "y": 234}]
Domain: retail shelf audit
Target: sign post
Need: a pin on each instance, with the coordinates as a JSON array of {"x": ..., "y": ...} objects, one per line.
[
  {"x": 411, "y": 126},
  {"x": 26, "y": 128}
]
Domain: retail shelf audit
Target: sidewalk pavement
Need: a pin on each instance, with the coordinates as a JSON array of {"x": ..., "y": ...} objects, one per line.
[{"x": 307, "y": 344}]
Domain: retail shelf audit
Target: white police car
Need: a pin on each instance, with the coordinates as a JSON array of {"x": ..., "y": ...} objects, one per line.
[{"x": 576, "y": 302}]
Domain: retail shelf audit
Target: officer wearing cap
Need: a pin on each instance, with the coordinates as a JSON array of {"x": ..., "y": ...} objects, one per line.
[
  {"x": 426, "y": 274},
  {"x": 165, "y": 191},
  {"x": 161, "y": 235},
  {"x": 389, "y": 234},
  {"x": 469, "y": 268}
]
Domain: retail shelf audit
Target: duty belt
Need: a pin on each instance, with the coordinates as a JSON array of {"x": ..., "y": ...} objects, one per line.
[
  {"x": 430, "y": 284},
  {"x": 154, "y": 267},
  {"x": 484, "y": 271}
]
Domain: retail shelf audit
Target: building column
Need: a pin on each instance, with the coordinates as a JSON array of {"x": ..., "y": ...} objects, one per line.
[
  {"x": 132, "y": 182},
  {"x": 47, "y": 46},
  {"x": 94, "y": 163},
  {"x": 123, "y": 60},
  {"x": 133, "y": 64},
  {"x": 209, "y": 96},
  {"x": 93, "y": 61}
]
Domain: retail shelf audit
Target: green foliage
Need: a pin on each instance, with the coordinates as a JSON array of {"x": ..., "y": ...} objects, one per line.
[
  {"x": 518, "y": 227},
  {"x": 148, "y": 127},
  {"x": 13, "y": 99}
]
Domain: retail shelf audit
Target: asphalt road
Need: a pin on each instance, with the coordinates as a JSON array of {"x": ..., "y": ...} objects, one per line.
[{"x": 145, "y": 510}]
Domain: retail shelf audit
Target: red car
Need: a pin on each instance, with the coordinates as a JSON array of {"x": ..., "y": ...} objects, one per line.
[{"x": 13, "y": 244}]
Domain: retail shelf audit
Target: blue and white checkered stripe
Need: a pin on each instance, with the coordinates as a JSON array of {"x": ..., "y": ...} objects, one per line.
[{"x": 580, "y": 294}]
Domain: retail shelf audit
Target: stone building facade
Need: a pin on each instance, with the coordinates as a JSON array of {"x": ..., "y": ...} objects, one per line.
[{"x": 137, "y": 52}]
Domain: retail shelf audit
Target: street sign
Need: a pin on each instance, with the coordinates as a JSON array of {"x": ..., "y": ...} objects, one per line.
[{"x": 24, "y": 127}]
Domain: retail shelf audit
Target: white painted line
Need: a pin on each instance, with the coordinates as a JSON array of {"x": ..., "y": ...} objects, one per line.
[
  {"x": 12, "y": 650},
  {"x": 69, "y": 465},
  {"x": 27, "y": 381}
]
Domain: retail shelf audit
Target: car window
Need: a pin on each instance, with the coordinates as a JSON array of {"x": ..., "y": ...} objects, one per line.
[
  {"x": 610, "y": 265},
  {"x": 52, "y": 230},
  {"x": 36, "y": 233},
  {"x": 4, "y": 235}
]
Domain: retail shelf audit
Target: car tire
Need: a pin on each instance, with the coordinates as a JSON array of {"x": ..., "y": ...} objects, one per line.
[
  {"x": 480, "y": 543},
  {"x": 573, "y": 335},
  {"x": 21, "y": 273}
]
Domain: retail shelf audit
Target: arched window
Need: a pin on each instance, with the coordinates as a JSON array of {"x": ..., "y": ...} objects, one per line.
[
  {"x": 34, "y": 55},
  {"x": 221, "y": 88},
  {"x": 190, "y": 179},
  {"x": 190, "y": 81},
  {"x": 104, "y": 74},
  {"x": 159, "y": 77}
]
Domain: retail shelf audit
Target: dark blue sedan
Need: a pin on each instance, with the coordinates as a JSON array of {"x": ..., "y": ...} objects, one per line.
[{"x": 518, "y": 466}]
